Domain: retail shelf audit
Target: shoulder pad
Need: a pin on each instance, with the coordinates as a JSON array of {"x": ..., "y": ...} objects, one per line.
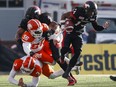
[
  {"x": 79, "y": 12},
  {"x": 27, "y": 37},
  {"x": 17, "y": 64}
]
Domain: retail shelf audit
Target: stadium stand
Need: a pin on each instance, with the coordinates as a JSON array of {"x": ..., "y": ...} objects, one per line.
[{"x": 7, "y": 57}]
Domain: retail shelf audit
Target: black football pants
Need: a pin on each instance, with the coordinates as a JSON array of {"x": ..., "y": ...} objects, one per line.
[
  {"x": 76, "y": 41},
  {"x": 56, "y": 55}
]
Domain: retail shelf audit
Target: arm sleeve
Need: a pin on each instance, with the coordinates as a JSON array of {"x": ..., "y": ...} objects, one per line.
[
  {"x": 68, "y": 15},
  {"x": 11, "y": 77},
  {"x": 23, "y": 24},
  {"x": 26, "y": 47},
  {"x": 96, "y": 26},
  {"x": 34, "y": 82},
  {"x": 45, "y": 18}
]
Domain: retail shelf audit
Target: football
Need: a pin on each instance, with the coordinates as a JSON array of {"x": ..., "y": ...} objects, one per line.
[{"x": 69, "y": 25}]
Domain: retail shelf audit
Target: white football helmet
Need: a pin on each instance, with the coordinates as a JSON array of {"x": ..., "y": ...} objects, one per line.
[
  {"x": 35, "y": 28},
  {"x": 28, "y": 65}
]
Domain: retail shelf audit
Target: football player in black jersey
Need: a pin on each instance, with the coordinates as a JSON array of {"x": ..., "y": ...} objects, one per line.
[
  {"x": 34, "y": 12},
  {"x": 74, "y": 23}
]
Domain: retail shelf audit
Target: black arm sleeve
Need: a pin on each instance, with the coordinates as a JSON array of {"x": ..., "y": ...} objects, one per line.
[
  {"x": 23, "y": 24},
  {"x": 45, "y": 18},
  {"x": 47, "y": 34},
  {"x": 96, "y": 26}
]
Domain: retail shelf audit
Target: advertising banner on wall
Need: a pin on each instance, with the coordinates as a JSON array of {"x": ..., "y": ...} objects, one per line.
[{"x": 98, "y": 59}]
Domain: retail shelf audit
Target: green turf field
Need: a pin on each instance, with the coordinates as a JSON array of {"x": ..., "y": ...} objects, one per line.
[{"x": 83, "y": 81}]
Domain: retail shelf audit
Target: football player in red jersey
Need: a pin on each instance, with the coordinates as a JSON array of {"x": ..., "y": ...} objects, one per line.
[
  {"x": 26, "y": 65},
  {"x": 39, "y": 46},
  {"x": 33, "y": 67}
]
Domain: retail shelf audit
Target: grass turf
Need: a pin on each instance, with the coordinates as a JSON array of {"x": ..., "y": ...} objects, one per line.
[{"x": 83, "y": 81}]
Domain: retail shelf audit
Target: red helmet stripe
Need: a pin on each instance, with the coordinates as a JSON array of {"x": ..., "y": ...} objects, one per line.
[
  {"x": 29, "y": 63},
  {"x": 37, "y": 22}
]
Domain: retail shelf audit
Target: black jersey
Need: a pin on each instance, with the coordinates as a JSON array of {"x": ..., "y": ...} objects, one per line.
[
  {"x": 80, "y": 19},
  {"x": 43, "y": 18}
]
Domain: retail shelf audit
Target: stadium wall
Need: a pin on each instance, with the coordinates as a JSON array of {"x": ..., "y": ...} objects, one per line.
[{"x": 10, "y": 19}]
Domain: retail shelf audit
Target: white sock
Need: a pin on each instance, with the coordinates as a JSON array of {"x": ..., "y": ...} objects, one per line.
[{"x": 56, "y": 74}]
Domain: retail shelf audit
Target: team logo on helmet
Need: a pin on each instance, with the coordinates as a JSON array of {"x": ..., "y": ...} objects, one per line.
[{"x": 86, "y": 5}]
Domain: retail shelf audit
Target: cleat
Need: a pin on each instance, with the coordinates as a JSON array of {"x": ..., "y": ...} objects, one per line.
[
  {"x": 71, "y": 81},
  {"x": 77, "y": 71},
  {"x": 113, "y": 78},
  {"x": 73, "y": 78},
  {"x": 78, "y": 66}
]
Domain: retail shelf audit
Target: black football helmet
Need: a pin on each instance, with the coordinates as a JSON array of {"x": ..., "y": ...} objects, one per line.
[
  {"x": 90, "y": 8},
  {"x": 33, "y": 12}
]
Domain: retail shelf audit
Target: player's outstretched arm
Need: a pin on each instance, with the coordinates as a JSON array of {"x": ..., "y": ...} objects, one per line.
[
  {"x": 11, "y": 77},
  {"x": 98, "y": 27}
]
